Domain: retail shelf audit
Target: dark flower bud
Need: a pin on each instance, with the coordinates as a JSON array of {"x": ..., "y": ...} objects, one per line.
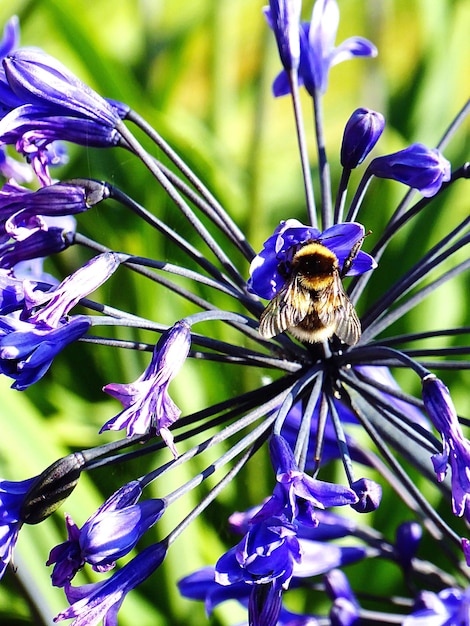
[
  {"x": 369, "y": 493},
  {"x": 361, "y": 133},
  {"x": 407, "y": 541},
  {"x": 51, "y": 488},
  {"x": 417, "y": 166}
]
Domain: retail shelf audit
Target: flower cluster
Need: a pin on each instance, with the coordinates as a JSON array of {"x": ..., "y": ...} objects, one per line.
[{"x": 338, "y": 429}]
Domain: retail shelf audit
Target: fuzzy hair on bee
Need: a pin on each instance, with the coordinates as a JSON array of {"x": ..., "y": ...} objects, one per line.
[{"x": 312, "y": 304}]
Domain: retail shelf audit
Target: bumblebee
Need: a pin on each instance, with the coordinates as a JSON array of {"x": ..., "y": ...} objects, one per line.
[{"x": 312, "y": 304}]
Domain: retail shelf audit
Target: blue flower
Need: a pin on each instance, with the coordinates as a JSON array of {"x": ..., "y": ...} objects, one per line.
[
  {"x": 18, "y": 205},
  {"x": 146, "y": 401},
  {"x": 296, "y": 494},
  {"x": 12, "y": 496},
  {"x": 110, "y": 533},
  {"x": 284, "y": 18},
  {"x": 345, "y": 610},
  {"x": 318, "y": 52},
  {"x": 39, "y": 79},
  {"x": 449, "y": 607},
  {"x": 417, "y": 166},
  {"x": 456, "y": 448},
  {"x": 27, "y": 352},
  {"x": 270, "y": 268},
  {"x": 38, "y": 241},
  {"x": 101, "y": 601}
]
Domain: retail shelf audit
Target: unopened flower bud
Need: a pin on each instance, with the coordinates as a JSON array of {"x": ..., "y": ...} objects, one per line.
[
  {"x": 369, "y": 493},
  {"x": 361, "y": 133},
  {"x": 51, "y": 488}
]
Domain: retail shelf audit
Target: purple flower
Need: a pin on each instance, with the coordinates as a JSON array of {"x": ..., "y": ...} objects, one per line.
[
  {"x": 146, "y": 401},
  {"x": 284, "y": 18},
  {"x": 101, "y": 601},
  {"x": 11, "y": 501},
  {"x": 201, "y": 585},
  {"x": 38, "y": 243},
  {"x": 345, "y": 609},
  {"x": 361, "y": 133},
  {"x": 27, "y": 352},
  {"x": 455, "y": 447},
  {"x": 269, "y": 268},
  {"x": 11, "y": 36},
  {"x": 318, "y": 52},
  {"x": 12, "y": 291},
  {"x": 296, "y": 494},
  {"x": 39, "y": 79},
  {"x": 56, "y": 303},
  {"x": 110, "y": 533},
  {"x": 264, "y": 558},
  {"x": 448, "y": 607},
  {"x": 18, "y": 205},
  {"x": 417, "y": 166}
]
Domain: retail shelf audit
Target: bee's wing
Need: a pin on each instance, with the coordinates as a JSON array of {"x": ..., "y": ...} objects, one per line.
[
  {"x": 288, "y": 308},
  {"x": 336, "y": 308}
]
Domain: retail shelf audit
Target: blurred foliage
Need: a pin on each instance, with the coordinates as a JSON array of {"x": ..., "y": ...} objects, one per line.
[{"x": 200, "y": 73}]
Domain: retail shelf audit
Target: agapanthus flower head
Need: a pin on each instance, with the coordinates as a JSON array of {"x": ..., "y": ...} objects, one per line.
[
  {"x": 146, "y": 401},
  {"x": 361, "y": 133},
  {"x": 417, "y": 166}
]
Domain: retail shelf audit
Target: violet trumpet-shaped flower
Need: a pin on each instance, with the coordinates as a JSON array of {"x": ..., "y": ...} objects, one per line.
[
  {"x": 146, "y": 401},
  {"x": 101, "y": 601},
  {"x": 11, "y": 500},
  {"x": 455, "y": 447},
  {"x": 449, "y": 607},
  {"x": 284, "y": 18},
  {"x": 318, "y": 52},
  {"x": 110, "y": 533},
  {"x": 269, "y": 268},
  {"x": 417, "y": 166},
  {"x": 296, "y": 494},
  {"x": 361, "y": 133}
]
